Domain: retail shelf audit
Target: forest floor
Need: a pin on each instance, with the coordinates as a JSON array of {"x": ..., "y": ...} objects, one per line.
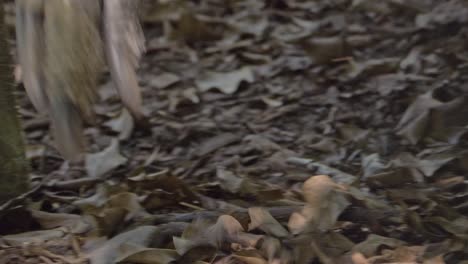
[{"x": 248, "y": 101}]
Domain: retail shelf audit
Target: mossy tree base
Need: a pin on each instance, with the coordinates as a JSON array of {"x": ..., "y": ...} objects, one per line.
[{"x": 13, "y": 164}]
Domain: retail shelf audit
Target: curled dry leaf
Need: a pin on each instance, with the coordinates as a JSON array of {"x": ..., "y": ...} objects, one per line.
[{"x": 325, "y": 201}]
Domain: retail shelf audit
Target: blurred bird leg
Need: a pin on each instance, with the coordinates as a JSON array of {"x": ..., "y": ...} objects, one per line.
[
  {"x": 124, "y": 45},
  {"x": 30, "y": 46}
]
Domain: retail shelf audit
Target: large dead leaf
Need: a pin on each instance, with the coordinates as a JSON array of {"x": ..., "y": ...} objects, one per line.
[{"x": 98, "y": 164}]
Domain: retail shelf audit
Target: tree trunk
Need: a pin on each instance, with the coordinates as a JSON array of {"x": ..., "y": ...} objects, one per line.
[{"x": 13, "y": 164}]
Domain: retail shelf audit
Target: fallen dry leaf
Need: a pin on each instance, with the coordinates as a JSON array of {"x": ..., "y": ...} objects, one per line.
[{"x": 98, "y": 164}]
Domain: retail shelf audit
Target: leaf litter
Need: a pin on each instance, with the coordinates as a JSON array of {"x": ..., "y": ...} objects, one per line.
[{"x": 281, "y": 132}]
